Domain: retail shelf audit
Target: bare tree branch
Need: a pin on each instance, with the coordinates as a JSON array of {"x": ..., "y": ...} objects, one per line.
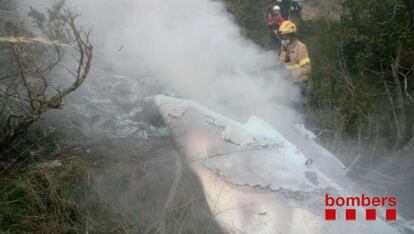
[{"x": 34, "y": 60}]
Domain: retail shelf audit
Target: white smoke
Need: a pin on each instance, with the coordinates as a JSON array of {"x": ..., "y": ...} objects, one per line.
[{"x": 192, "y": 46}]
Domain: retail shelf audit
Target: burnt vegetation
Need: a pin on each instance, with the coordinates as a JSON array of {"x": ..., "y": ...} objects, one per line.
[{"x": 30, "y": 83}]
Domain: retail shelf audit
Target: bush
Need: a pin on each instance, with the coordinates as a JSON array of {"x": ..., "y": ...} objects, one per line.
[
  {"x": 251, "y": 17},
  {"x": 361, "y": 92},
  {"x": 359, "y": 76},
  {"x": 28, "y": 86}
]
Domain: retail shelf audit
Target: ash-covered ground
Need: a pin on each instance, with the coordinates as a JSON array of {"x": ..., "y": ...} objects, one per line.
[{"x": 135, "y": 168}]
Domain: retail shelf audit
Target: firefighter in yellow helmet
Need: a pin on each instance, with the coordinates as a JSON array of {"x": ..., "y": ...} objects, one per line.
[{"x": 293, "y": 53}]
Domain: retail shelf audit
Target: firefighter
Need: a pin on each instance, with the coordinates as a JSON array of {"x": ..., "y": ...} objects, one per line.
[
  {"x": 275, "y": 19},
  {"x": 290, "y": 9},
  {"x": 284, "y": 7},
  {"x": 294, "y": 54},
  {"x": 295, "y": 10},
  {"x": 273, "y": 23}
]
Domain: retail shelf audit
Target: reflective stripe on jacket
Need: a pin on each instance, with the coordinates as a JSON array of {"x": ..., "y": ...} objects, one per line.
[{"x": 296, "y": 58}]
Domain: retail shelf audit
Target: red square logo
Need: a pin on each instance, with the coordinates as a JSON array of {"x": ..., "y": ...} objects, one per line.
[
  {"x": 391, "y": 214},
  {"x": 371, "y": 214},
  {"x": 330, "y": 214},
  {"x": 350, "y": 214}
]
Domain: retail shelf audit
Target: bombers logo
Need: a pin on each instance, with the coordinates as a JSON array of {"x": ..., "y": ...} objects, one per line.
[{"x": 352, "y": 203}]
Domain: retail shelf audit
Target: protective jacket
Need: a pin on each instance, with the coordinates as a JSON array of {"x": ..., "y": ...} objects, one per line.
[
  {"x": 274, "y": 21},
  {"x": 295, "y": 58}
]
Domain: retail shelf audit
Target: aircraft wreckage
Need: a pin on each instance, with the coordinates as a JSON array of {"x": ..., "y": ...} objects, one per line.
[{"x": 254, "y": 179}]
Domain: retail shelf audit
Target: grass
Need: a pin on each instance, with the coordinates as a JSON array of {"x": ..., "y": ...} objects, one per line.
[
  {"x": 42, "y": 200},
  {"x": 46, "y": 200},
  {"x": 105, "y": 191}
]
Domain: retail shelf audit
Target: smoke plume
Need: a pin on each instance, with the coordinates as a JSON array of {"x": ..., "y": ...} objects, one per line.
[{"x": 191, "y": 46}]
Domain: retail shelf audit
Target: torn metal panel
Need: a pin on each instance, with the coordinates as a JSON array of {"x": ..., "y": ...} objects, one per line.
[
  {"x": 208, "y": 134},
  {"x": 272, "y": 169},
  {"x": 254, "y": 179},
  {"x": 244, "y": 209}
]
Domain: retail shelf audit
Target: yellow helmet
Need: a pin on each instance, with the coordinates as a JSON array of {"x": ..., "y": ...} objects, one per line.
[{"x": 287, "y": 27}]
